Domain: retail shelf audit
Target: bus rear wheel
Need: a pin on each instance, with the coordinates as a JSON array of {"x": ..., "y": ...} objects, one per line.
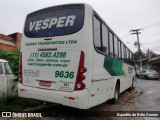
[{"x": 116, "y": 94}]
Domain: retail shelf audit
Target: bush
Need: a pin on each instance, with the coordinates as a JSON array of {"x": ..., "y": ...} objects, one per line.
[
  {"x": 12, "y": 57},
  {"x": 18, "y": 104}
]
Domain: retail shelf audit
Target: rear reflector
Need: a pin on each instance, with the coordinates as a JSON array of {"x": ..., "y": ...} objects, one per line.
[
  {"x": 71, "y": 98},
  {"x": 21, "y": 89}
]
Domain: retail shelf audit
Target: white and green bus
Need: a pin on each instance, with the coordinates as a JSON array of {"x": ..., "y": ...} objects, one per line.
[{"x": 70, "y": 56}]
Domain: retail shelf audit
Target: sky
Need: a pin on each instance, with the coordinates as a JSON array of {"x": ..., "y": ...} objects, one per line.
[{"x": 121, "y": 16}]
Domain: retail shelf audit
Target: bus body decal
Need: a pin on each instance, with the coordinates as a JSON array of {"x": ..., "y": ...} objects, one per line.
[{"x": 113, "y": 66}]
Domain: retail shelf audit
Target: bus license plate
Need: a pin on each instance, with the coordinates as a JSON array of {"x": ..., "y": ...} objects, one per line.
[{"x": 45, "y": 83}]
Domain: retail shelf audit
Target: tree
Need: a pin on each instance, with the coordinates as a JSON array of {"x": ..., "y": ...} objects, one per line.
[
  {"x": 152, "y": 54},
  {"x": 136, "y": 55},
  {"x": 145, "y": 55},
  {"x": 12, "y": 57}
]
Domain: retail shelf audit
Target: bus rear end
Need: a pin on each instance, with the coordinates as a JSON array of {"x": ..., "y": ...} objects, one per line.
[{"x": 53, "y": 61}]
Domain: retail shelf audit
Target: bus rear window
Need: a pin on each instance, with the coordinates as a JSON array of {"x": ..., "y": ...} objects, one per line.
[{"x": 55, "y": 21}]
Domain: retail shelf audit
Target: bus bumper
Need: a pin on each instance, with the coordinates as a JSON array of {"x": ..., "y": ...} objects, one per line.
[{"x": 76, "y": 99}]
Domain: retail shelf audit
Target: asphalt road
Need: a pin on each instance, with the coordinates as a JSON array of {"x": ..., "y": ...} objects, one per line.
[
  {"x": 150, "y": 94},
  {"x": 145, "y": 97}
]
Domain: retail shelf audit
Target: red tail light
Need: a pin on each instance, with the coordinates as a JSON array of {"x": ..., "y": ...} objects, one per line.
[
  {"x": 81, "y": 77},
  {"x": 82, "y": 70},
  {"x": 79, "y": 85},
  {"x": 20, "y": 69}
]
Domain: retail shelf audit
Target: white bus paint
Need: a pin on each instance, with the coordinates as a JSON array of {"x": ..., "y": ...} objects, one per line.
[{"x": 74, "y": 68}]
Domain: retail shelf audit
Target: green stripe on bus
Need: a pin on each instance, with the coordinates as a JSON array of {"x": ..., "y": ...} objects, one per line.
[{"x": 113, "y": 66}]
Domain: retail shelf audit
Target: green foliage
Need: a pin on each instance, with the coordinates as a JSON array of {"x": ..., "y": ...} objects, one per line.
[
  {"x": 144, "y": 55},
  {"x": 12, "y": 57},
  {"x": 18, "y": 104},
  {"x": 153, "y": 54},
  {"x": 136, "y": 55}
]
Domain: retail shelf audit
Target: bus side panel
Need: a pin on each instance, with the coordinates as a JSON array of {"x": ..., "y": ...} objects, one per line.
[
  {"x": 126, "y": 80},
  {"x": 101, "y": 91},
  {"x": 87, "y": 47},
  {"x": 102, "y": 82},
  {"x": 105, "y": 78}
]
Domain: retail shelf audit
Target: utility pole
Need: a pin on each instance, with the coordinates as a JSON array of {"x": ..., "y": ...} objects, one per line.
[
  {"x": 136, "y": 31},
  {"x": 149, "y": 57}
]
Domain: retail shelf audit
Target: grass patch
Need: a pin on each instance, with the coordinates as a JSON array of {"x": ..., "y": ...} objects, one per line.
[{"x": 17, "y": 104}]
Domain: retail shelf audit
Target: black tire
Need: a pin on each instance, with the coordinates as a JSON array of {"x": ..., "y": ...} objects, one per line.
[
  {"x": 137, "y": 76},
  {"x": 146, "y": 77},
  {"x": 133, "y": 83},
  {"x": 116, "y": 94}
]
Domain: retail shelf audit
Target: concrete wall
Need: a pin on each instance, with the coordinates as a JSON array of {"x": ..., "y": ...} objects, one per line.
[
  {"x": 6, "y": 47},
  {"x": 18, "y": 41},
  {"x": 156, "y": 67}
]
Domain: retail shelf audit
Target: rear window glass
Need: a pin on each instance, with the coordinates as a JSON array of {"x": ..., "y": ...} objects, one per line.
[{"x": 55, "y": 21}]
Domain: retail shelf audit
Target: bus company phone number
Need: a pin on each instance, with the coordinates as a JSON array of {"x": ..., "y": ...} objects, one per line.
[{"x": 48, "y": 55}]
